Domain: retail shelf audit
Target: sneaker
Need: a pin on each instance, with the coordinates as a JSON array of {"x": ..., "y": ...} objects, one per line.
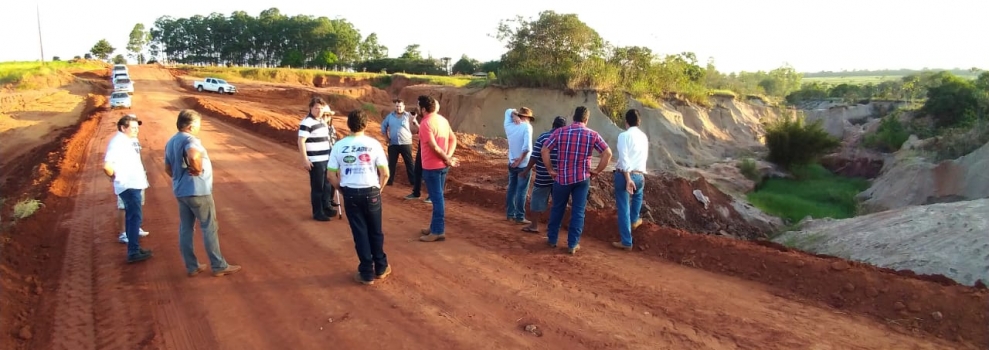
[
  {"x": 359, "y": 279},
  {"x": 573, "y": 250},
  {"x": 199, "y": 269},
  {"x": 522, "y": 222},
  {"x": 433, "y": 238},
  {"x": 636, "y": 223},
  {"x": 231, "y": 269},
  {"x": 141, "y": 255},
  {"x": 427, "y": 200},
  {"x": 144, "y": 233},
  {"x": 411, "y": 196},
  {"x": 384, "y": 274},
  {"x": 619, "y": 245},
  {"x": 122, "y": 238}
]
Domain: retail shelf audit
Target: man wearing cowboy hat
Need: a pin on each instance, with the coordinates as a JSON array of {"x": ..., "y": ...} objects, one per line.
[{"x": 518, "y": 129}]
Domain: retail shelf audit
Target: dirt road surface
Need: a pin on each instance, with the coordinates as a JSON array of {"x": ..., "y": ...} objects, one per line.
[{"x": 478, "y": 290}]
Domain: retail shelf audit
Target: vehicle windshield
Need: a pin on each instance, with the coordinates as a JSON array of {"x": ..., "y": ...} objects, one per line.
[
  {"x": 221, "y": 81},
  {"x": 119, "y": 68},
  {"x": 119, "y": 95},
  {"x": 123, "y": 81}
]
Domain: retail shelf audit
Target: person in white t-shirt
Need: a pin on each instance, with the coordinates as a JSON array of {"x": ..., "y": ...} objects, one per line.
[
  {"x": 630, "y": 182},
  {"x": 359, "y": 168},
  {"x": 123, "y": 165}
]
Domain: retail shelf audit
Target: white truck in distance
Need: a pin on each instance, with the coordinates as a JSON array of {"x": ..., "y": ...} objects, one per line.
[{"x": 214, "y": 85}]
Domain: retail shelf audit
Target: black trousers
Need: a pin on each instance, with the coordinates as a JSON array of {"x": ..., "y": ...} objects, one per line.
[
  {"x": 320, "y": 191},
  {"x": 393, "y": 152},
  {"x": 417, "y": 174},
  {"x": 363, "y": 208}
]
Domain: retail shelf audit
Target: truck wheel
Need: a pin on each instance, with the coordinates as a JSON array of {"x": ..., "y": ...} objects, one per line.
[
  {"x": 220, "y": 91},
  {"x": 199, "y": 88}
]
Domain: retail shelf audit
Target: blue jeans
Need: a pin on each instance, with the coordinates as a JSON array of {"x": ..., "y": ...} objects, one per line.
[
  {"x": 577, "y": 192},
  {"x": 132, "y": 218},
  {"x": 518, "y": 187},
  {"x": 628, "y": 209},
  {"x": 202, "y": 209},
  {"x": 363, "y": 208},
  {"x": 435, "y": 183}
]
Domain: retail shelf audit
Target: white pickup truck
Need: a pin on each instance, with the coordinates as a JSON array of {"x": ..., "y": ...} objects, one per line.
[{"x": 214, "y": 85}]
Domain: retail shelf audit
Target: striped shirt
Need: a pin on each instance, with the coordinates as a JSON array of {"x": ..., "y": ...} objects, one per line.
[
  {"x": 575, "y": 142},
  {"x": 542, "y": 175},
  {"x": 319, "y": 138}
]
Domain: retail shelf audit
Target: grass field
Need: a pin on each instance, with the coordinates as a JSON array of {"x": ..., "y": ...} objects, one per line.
[
  {"x": 814, "y": 191},
  {"x": 17, "y": 71},
  {"x": 306, "y": 76},
  {"x": 859, "y": 80}
]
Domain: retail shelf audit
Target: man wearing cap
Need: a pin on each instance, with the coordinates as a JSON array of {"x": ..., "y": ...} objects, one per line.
[
  {"x": 316, "y": 137},
  {"x": 123, "y": 165},
  {"x": 572, "y": 178},
  {"x": 543, "y": 185},
  {"x": 633, "y": 150},
  {"x": 518, "y": 129},
  {"x": 359, "y": 168},
  {"x": 397, "y": 129}
]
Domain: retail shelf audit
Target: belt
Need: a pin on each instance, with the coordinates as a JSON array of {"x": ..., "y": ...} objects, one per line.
[{"x": 625, "y": 171}]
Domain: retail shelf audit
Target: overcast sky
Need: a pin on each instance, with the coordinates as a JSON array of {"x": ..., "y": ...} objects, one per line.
[{"x": 748, "y": 35}]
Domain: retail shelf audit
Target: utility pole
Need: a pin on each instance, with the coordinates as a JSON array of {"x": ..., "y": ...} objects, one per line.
[{"x": 41, "y": 43}]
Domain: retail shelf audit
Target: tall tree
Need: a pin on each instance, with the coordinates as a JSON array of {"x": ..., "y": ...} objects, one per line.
[
  {"x": 466, "y": 65},
  {"x": 102, "y": 49},
  {"x": 412, "y": 52},
  {"x": 138, "y": 37},
  {"x": 119, "y": 59},
  {"x": 371, "y": 50}
]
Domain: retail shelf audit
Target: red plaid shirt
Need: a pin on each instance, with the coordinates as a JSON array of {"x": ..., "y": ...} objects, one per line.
[{"x": 574, "y": 144}]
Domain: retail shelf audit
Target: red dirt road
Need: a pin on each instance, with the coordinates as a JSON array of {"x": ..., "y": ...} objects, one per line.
[{"x": 478, "y": 290}]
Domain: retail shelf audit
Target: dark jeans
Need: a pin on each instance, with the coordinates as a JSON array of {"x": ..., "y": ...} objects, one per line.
[
  {"x": 393, "y": 152},
  {"x": 363, "y": 208},
  {"x": 576, "y": 192},
  {"x": 132, "y": 219},
  {"x": 435, "y": 183},
  {"x": 518, "y": 188},
  {"x": 202, "y": 209},
  {"x": 417, "y": 173},
  {"x": 320, "y": 191}
]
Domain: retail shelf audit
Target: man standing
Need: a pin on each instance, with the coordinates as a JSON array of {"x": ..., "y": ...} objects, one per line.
[
  {"x": 397, "y": 129},
  {"x": 633, "y": 151},
  {"x": 316, "y": 136},
  {"x": 121, "y": 208},
  {"x": 417, "y": 171},
  {"x": 572, "y": 182},
  {"x": 518, "y": 129},
  {"x": 543, "y": 186},
  {"x": 358, "y": 167},
  {"x": 438, "y": 143},
  {"x": 123, "y": 165},
  {"x": 188, "y": 164}
]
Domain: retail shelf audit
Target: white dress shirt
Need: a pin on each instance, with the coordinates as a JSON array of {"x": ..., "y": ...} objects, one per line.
[{"x": 633, "y": 150}]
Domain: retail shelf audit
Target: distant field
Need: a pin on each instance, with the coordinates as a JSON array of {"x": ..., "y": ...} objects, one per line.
[
  {"x": 858, "y": 80},
  {"x": 306, "y": 76},
  {"x": 17, "y": 71}
]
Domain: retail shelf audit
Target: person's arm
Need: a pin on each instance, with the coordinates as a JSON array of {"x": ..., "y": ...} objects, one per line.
[
  {"x": 303, "y": 135},
  {"x": 333, "y": 168},
  {"x": 413, "y": 124},
  {"x": 548, "y": 146},
  {"x": 605, "y": 151},
  {"x": 623, "y": 147},
  {"x": 451, "y": 147},
  {"x": 195, "y": 159},
  {"x": 168, "y": 169},
  {"x": 384, "y": 128},
  {"x": 381, "y": 162},
  {"x": 510, "y": 117}
]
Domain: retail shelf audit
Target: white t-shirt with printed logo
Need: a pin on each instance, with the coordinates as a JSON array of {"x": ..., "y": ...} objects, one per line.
[
  {"x": 358, "y": 159},
  {"x": 124, "y": 154}
]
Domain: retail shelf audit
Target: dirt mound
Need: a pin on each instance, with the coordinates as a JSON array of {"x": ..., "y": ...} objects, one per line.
[
  {"x": 32, "y": 249},
  {"x": 864, "y": 167}
]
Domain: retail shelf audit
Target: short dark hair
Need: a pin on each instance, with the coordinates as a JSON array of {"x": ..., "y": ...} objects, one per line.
[
  {"x": 124, "y": 121},
  {"x": 581, "y": 114},
  {"x": 357, "y": 120},
  {"x": 186, "y": 118},
  {"x": 397, "y": 100},
  {"x": 316, "y": 100},
  {"x": 632, "y": 117},
  {"x": 427, "y": 104},
  {"x": 559, "y": 122}
]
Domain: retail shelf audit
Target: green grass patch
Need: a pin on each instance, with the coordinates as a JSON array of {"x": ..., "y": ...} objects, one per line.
[
  {"x": 814, "y": 191},
  {"x": 306, "y": 76},
  {"x": 17, "y": 71},
  {"x": 26, "y": 208}
]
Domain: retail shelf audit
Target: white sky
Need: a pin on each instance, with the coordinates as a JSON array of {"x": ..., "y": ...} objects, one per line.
[{"x": 751, "y": 35}]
